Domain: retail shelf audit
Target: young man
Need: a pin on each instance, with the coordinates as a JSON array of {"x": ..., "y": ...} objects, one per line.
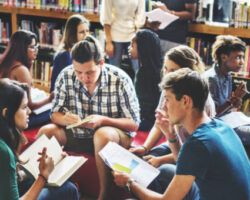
[
  {"x": 213, "y": 157},
  {"x": 103, "y": 93},
  {"x": 228, "y": 53}
]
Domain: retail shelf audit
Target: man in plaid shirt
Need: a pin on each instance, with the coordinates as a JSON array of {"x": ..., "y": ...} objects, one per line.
[{"x": 103, "y": 93}]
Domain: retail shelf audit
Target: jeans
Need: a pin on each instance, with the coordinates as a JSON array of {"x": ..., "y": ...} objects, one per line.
[
  {"x": 244, "y": 134},
  {"x": 167, "y": 172},
  {"x": 121, "y": 48},
  {"x": 67, "y": 191},
  {"x": 40, "y": 119},
  {"x": 160, "y": 150}
]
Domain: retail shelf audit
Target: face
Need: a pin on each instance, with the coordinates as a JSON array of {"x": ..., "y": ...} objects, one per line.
[
  {"x": 133, "y": 51},
  {"x": 170, "y": 66},
  {"x": 234, "y": 61},
  {"x": 32, "y": 50},
  {"x": 173, "y": 107},
  {"x": 22, "y": 114},
  {"x": 82, "y": 31},
  {"x": 87, "y": 73}
]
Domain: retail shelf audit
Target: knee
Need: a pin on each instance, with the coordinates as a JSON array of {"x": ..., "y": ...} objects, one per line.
[
  {"x": 104, "y": 135},
  {"x": 47, "y": 130}
]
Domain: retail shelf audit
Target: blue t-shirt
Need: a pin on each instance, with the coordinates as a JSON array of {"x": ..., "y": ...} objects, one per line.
[{"x": 216, "y": 157}]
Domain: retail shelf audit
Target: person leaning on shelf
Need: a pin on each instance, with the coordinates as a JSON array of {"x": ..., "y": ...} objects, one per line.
[
  {"x": 175, "y": 33},
  {"x": 228, "y": 53},
  {"x": 16, "y": 63},
  {"x": 76, "y": 29},
  {"x": 101, "y": 93},
  {"x": 212, "y": 163},
  {"x": 121, "y": 19},
  {"x": 14, "y": 117}
]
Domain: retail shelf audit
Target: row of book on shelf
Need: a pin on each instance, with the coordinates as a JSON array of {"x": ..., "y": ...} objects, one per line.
[
  {"x": 204, "y": 49},
  {"x": 92, "y": 6}
]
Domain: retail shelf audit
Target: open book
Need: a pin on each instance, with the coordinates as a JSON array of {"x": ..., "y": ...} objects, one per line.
[
  {"x": 161, "y": 16},
  {"x": 39, "y": 95},
  {"x": 64, "y": 166},
  {"x": 80, "y": 122},
  {"x": 120, "y": 159}
]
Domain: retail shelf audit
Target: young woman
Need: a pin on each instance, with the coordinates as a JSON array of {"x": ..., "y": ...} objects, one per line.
[
  {"x": 16, "y": 64},
  {"x": 76, "y": 29},
  {"x": 145, "y": 47},
  {"x": 14, "y": 117},
  {"x": 176, "y": 58}
]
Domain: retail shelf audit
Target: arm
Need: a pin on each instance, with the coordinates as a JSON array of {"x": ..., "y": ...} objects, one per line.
[
  {"x": 22, "y": 74},
  {"x": 109, "y": 47},
  {"x": 177, "y": 189},
  {"x": 158, "y": 161},
  {"x": 140, "y": 17}
]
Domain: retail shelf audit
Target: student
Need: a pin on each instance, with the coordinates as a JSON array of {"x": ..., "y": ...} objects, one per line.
[
  {"x": 176, "y": 58},
  {"x": 76, "y": 29},
  {"x": 105, "y": 94},
  {"x": 14, "y": 117},
  {"x": 213, "y": 156},
  {"x": 16, "y": 63},
  {"x": 145, "y": 46},
  {"x": 228, "y": 53},
  {"x": 175, "y": 34},
  {"x": 121, "y": 19}
]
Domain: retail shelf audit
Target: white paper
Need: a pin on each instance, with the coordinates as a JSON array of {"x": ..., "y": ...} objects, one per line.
[
  {"x": 39, "y": 95},
  {"x": 161, "y": 16},
  {"x": 235, "y": 119},
  {"x": 121, "y": 159}
]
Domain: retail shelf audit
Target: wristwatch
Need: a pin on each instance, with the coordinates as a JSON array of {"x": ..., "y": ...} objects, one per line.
[{"x": 129, "y": 183}]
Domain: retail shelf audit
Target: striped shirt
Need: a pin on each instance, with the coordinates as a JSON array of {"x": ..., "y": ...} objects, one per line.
[{"x": 114, "y": 97}]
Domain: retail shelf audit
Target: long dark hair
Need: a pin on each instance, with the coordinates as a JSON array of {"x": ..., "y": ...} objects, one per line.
[
  {"x": 11, "y": 96},
  {"x": 16, "y": 51},
  {"x": 149, "y": 53}
]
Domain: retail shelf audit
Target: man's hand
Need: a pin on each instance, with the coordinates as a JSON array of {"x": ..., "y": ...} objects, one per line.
[
  {"x": 120, "y": 178},
  {"x": 94, "y": 122},
  {"x": 109, "y": 49},
  {"x": 139, "y": 150},
  {"x": 71, "y": 118},
  {"x": 152, "y": 160}
]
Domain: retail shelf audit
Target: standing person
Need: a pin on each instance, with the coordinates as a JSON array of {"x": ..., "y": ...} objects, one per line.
[
  {"x": 76, "y": 29},
  {"x": 103, "y": 93},
  {"x": 175, "y": 34},
  {"x": 228, "y": 53},
  {"x": 14, "y": 119},
  {"x": 121, "y": 19},
  {"x": 213, "y": 156},
  {"x": 176, "y": 58},
  {"x": 16, "y": 63},
  {"x": 145, "y": 46}
]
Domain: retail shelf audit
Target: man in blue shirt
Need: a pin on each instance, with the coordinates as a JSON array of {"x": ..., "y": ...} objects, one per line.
[{"x": 213, "y": 156}]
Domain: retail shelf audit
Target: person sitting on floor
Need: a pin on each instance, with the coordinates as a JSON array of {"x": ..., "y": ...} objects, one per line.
[
  {"x": 14, "y": 117},
  {"x": 212, "y": 163},
  {"x": 103, "y": 93}
]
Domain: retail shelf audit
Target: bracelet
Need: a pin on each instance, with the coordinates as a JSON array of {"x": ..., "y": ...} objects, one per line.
[
  {"x": 129, "y": 183},
  {"x": 174, "y": 140},
  {"x": 43, "y": 177},
  {"x": 145, "y": 148}
]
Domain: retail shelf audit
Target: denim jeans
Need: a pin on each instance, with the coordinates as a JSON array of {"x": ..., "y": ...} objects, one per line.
[
  {"x": 120, "y": 49},
  {"x": 160, "y": 150},
  {"x": 167, "y": 172}
]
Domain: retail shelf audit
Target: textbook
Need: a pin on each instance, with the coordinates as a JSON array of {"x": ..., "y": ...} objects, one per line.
[
  {"x": 80, "y": 122},
  {"x": 39, "y": 95},
  {"x": 65, "y": 166},
  {"x": 161, "y": 16},
  {"x": 120, "y": 159}
]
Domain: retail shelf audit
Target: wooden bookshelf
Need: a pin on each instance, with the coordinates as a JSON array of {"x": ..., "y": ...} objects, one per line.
[
  {"x": 15, "y": 11},
  {"x": 214, "y": 30}
]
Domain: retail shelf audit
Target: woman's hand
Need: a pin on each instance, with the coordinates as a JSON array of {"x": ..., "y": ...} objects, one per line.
[
  {"x": 46, "y": 164},
  {"x": 139, "y": 150},
  {"x": 120, "y": 178},
  {"x": 152, "y": 160}
]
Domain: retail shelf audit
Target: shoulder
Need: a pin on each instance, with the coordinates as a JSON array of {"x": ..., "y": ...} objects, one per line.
[{"x": 6, "y": 154}]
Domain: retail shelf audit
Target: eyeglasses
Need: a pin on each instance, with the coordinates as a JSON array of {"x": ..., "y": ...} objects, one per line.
[{"x": 34, "y": 47}]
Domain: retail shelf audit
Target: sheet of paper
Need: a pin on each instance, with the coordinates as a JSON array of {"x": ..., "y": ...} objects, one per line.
[
  {"x": 120, "y": 159},
  {"x": 235, "y": 119},
  {"x": 161, "y": 16}
]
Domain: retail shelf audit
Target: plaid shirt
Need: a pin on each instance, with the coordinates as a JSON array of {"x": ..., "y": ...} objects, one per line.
[{"x": 114, "y": 97}]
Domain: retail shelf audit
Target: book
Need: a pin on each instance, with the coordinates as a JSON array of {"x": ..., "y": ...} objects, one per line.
[
  {"x": 80, "y": 122},
  {"x": 235, "y": 119},
  {"x": 120, "y": 159},
  {"x": 161, "y": 16},
  {"x": 39, "y": 95},
  {"x": 65, "y": 166}
]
